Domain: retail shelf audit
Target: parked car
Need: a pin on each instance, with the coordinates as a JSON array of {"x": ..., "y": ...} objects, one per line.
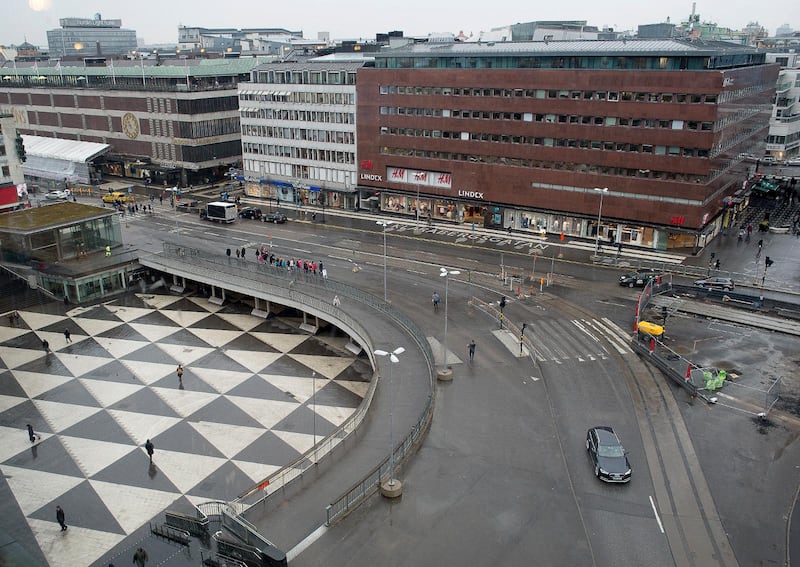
[
  {"x": 769, "y": 160},
  {"x": 638, "y": 279},
  {"x": 793, "y": 161},
  {"x": 250, "y": 213},
  {"x": 609, "y": 457},
  {"x": 718, "y": 283},
  {"x": 56, "y": 195},
  {"x": 277, "y": 217}
]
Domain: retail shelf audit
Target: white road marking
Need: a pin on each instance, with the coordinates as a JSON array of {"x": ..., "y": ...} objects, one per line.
[
  {"x": 303, "y": 545},
  {"x": 655, "y": 512}
]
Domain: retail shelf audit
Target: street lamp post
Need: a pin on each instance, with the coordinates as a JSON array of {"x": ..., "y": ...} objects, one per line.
[
  {"x": 384, "y": 224},
  {"x": 445, "y": 273},
  {"x": 602, "y": 191},
  {"x": 393, "y": 487}
]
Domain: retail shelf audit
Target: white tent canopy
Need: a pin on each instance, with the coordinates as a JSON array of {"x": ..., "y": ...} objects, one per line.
[{"x": 53, "y": 158}]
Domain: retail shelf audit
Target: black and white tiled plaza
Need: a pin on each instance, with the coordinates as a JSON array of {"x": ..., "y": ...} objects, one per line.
[{"x": 254, "y": 396}]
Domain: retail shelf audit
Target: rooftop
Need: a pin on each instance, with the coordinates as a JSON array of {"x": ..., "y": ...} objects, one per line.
[
  {"x": 567, "y": 48},
  {"x": 50, "y": 216}
]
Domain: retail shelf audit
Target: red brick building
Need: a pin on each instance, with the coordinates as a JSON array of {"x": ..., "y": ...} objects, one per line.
[{"x": 521, "y": 135}]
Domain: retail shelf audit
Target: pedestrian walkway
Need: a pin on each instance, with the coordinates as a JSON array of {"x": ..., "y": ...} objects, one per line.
[{"x": 254, "y": 396}]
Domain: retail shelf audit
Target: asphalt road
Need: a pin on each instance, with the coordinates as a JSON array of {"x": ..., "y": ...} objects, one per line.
[{"x": 503, "y": 476}]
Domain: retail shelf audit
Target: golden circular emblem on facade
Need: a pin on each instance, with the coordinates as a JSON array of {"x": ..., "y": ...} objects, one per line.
[{"x": 130, "y": 125}]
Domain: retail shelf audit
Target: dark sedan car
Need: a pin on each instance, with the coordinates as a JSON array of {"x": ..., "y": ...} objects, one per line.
[
  {"x": 609, "y": 457},
  {"x": 276, "y": 217},
  {"x": 638, "y": 279},
  {"x": 250, "y": 213}
]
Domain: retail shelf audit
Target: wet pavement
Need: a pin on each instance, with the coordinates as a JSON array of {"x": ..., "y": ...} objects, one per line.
[{"x": 241, "y": 411}]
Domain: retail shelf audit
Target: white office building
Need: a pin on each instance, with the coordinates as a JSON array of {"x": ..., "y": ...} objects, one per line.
[
  {"x": 783, "y": 141},
  {"x": 298, "y": 122}
]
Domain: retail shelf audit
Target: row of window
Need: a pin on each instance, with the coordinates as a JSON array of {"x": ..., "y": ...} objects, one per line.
[
  {"x": 306, "y": 77},
  {"x": 297, "y": 97},
  {"x": 785, "y": 140},
  {"x": 548, "y": 142},
  {"x": 314, "y": 174},
  {"x": 548, "y": 118},
  {"x": 310, "y": 134},
  {"x": 294, "y": 152},
  {"x": 610, "y": 96},
  {"x": 544, "y": 164},
  {"x": 655, "y": 62},
  {"x": 299, "y": 115}
]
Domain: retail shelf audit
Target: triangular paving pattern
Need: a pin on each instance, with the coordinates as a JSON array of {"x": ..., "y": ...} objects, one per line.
[
  {"x": 300, "y": 388},
  {"x": 142, "y": 426},
  {"x": 185, "y": 402},
  {"x": 79, "y": 365},
  {"x": 253, "y": 360},
  {"x": 133, "y": 506},
  {"x": 119, "y": 348},
  {"x": 153, "y": 333},
  {"x": 34, "y": 489},
  {"x": 36, "y": 320},
  {"x": 228, "y": 439},
  {"x": 158, "y": 301},
  {"x": 83, "y": 508},
  {"x": 93, "y": 456},
  {"x": 128, "y": 314},
  {"x": 328, "y": 366},
  {"x": 16, "y": 357},
  {"x": 225, "y": 483},
  {"x": 266, "y": 414},
  {"x": 136, "y": 469},
  {"x": 185, "y": 354},
  {"x": 60, "y": 416},
  {"x": 186, "y": 470},
  {"x": 149, "y": 372},
  {"x": 221, "y": 380},
  {"x": 185, "y": 318},
  {"x": 71, "y": 392},
  {"x": 243, "y": 322},
  {"x": 256, "y": 471},
  {"x": 280, "y": 342},
  {"x": 100, "y": 426},
  {"x": 214, "y": 337},
  {"x": 77, "y": 546},
  {"x": 94, "y": 327},
  {"x": 109, "y": 393}
]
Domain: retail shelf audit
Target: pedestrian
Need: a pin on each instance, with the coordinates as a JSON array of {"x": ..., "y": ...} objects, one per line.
[
  {"x": 150, "y": 448},
  {"x": 336, "y": 301},
  {"x": 31, "y": 435},
  {"x": 228, "y": 252},
  {"x": 10, "y": 319},
  {"x": 179, "y": 371},
  {"x": 435, "y": 299},
  {"x": 716, "y": 266},
  {"x": 140, "y": 557},
  {"x": 472, "y": 350},
  {"x": 16, "y": 318},
  {"x": 61, "y": 518},
  {"x": 313, "y": 217},
  {"x": 619, "y": 249},
  {"x": 243, "y": 253},
  {"x": 237, "y": 252},
  {"x": 45, "y": 345},
  {"x": 67, "y": 336}
]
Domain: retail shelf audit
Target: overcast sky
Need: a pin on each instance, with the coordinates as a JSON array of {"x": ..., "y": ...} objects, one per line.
[{"x": 157, "y": 21}]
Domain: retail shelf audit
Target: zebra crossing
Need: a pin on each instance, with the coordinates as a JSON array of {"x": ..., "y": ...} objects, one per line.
[{"x": 563, "y": 341}]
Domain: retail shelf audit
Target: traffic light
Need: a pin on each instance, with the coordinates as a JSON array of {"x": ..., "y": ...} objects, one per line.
[
  {"x": 664, "y": 312},
  {"x": 523, "y": 329},
  {"x": 20, "y": 148},
  {"x": 768, "y": 261}
]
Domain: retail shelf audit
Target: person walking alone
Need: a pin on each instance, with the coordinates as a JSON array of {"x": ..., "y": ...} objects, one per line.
[
  {"x": 31, "y": 435},
  {"x": 150, "y": 448},
  {"x": 179, "y": 372},
  {"x": 67, "y": 336},
  {"x": 140, "y": 557},
  {"x": 472, "y": 350},
  {"x": 61, "y": 518}
]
